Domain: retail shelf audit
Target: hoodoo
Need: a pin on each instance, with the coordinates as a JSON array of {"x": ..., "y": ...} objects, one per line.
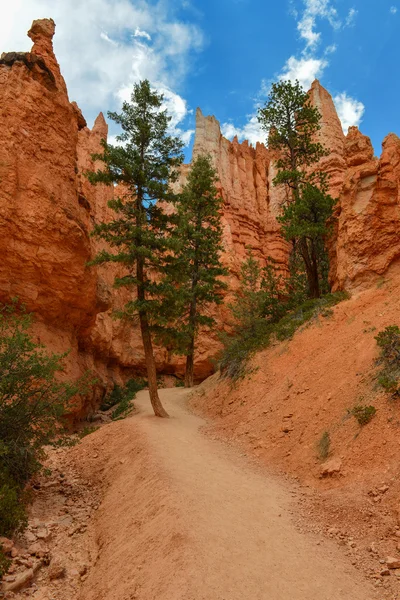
[{"x": 48, "y": 208}]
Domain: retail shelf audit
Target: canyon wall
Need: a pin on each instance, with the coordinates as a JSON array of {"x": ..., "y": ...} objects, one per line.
[{"x": 48, "y": 209}]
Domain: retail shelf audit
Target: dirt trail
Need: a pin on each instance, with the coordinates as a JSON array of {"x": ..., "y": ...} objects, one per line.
[{"x": 187, "y": 518}]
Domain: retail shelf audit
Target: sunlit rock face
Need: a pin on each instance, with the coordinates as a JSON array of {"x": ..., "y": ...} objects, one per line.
[{"x": 48, "y": 210}]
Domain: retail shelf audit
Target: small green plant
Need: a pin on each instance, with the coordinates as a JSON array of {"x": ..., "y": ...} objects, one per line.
[
  {"x": 87, "y": 431},
  {"x": 324, "y": 445},
  {"x": 121, "y": 397},
  {"x": 118, "y": 393},
  {"x": 12, "y": 507},
  {"x": 363, "y": 413},
  {"x": 5, "y": 563},
  {"x": 179, "y": 383},
  {"x": 122, "y": 410},
  {"x": 388, "y": 341}
]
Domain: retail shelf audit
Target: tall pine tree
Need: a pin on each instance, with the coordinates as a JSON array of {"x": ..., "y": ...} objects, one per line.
[
  {"x": 292, "y": 123},
  {"x": 195, "y": 269},
  {"x": 144, "y": 166}
]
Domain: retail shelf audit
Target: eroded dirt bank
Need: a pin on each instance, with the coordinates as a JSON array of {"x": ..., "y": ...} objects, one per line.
[{"x": 175, "y": 515}]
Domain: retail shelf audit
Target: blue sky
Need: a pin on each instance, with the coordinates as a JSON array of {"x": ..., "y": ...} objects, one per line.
[{"x": 222, "y": 55}]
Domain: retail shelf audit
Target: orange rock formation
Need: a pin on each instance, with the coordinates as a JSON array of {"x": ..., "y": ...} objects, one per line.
[{"x": 47, "y": 210}]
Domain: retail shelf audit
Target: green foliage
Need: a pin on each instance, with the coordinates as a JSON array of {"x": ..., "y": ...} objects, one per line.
[
  {"x": 118, "y": 392},
  {"x": 32, "y": 400},
  {"x": 146, "y": 165},
  {"x": 12, "y": 507},
  {"x": 324, "y": 445},
  {"x": 5, "y": 563},
  {"x": 292, "y": 123},
  {"x": 122, "y": 396},
  {"x": 87, "y": 431},
  {"x": 307, "y": 311},
  {"x": 250, "y": 328},
  {"x": 179, "y": 383},
  {"x": 363, "y": 413},
  {"x": 388, "y": 341},
  {"x": 267, "y": 307},
  {"x": 194, "y": 270}
]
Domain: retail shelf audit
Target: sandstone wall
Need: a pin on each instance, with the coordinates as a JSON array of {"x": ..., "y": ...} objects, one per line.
[{"x": 48, "y": 209}]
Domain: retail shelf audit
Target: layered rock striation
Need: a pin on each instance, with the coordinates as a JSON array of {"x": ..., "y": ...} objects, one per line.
[{"x": 48, "y": 209}]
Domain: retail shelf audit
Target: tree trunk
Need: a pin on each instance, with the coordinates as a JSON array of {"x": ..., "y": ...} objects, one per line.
[
  {"x": 311, "y": 269},
  {"x": 158, "y": 408},
  {"x": 189, "y": 365},
  {"x": 192, "y": 329}
]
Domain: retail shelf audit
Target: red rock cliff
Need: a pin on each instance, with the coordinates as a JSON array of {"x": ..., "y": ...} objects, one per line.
[{"x": 47, "y": 210}]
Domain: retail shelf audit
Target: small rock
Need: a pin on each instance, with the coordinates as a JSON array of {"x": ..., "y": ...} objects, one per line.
[
  {"x": 56, "y": 571},
  {"x": 385, "y": 572},
  {"x": 6, "y": 545},
  {"x": 331, "y": 467},
  {"x": 287, "y": 429},
  {"x": 383, "y": 489},
  {"x": 43, "y": 534},
  {"x": 393, "y": 563},
  {"x": 30, "y": 537}
]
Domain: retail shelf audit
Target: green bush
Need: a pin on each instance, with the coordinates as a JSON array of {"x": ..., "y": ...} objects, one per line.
[
  {"x": 32, "y": 400},
  {"x": 12, "y": 508},
  {"x": 388, "y": 341},
  {"x": 324, "y": 445},
  {"x": 5, "y": 563},
  {"x": 122, "y": 398},
  {"x": 267, "y": 307},
  {"x": 120, "y": 393},
  {"x": 363, "y": 414}
]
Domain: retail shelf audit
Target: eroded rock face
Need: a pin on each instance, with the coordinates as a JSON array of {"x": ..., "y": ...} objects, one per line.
[
  {"x": 48, "y": 209},
  {"x": 251, "y": 204},
  {"x": 367, "y": 240}
]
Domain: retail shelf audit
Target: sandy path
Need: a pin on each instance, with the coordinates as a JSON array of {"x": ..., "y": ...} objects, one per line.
[{"x": 187, "y": 518}]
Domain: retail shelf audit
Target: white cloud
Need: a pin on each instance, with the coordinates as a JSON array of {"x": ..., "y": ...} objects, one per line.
[
  {"x": 351, "y": 17},
  {"x": 393, "y": 10},
  {"x": 251, "y": 131},
  {"x": 349, "y": 109},
  {"x": 305, "y": 70},
  {"x": 105, "y": 37},
  {"x": 330, "y": 49},
  {"x": 104, "y": 46},
  {"x": 143, "y": 34},
  {"x": 316, "y": 9}
]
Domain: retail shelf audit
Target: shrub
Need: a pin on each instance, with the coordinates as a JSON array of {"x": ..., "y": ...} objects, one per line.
[
  {"x": 120, "y": 393},
  {"x": 12, "y": 508},
  {"x": 388, "y": 341},
  {"x": 363, "y": 414},
  {"x": 87, "y": 431},
  {"x": 267, "y": 307},
  {"x": 5, "y": 563},
  {"x": 324, "y": 445},
  {"x": 32, "y": 401},
  {"x": 122, "y": 396}
]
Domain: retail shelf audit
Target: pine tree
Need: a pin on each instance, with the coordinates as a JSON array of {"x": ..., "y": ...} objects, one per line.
[
  {"x": 144, "y": 166},
  {"x": 292, "y": 123},
  {"x": 195, "y": 268}
]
